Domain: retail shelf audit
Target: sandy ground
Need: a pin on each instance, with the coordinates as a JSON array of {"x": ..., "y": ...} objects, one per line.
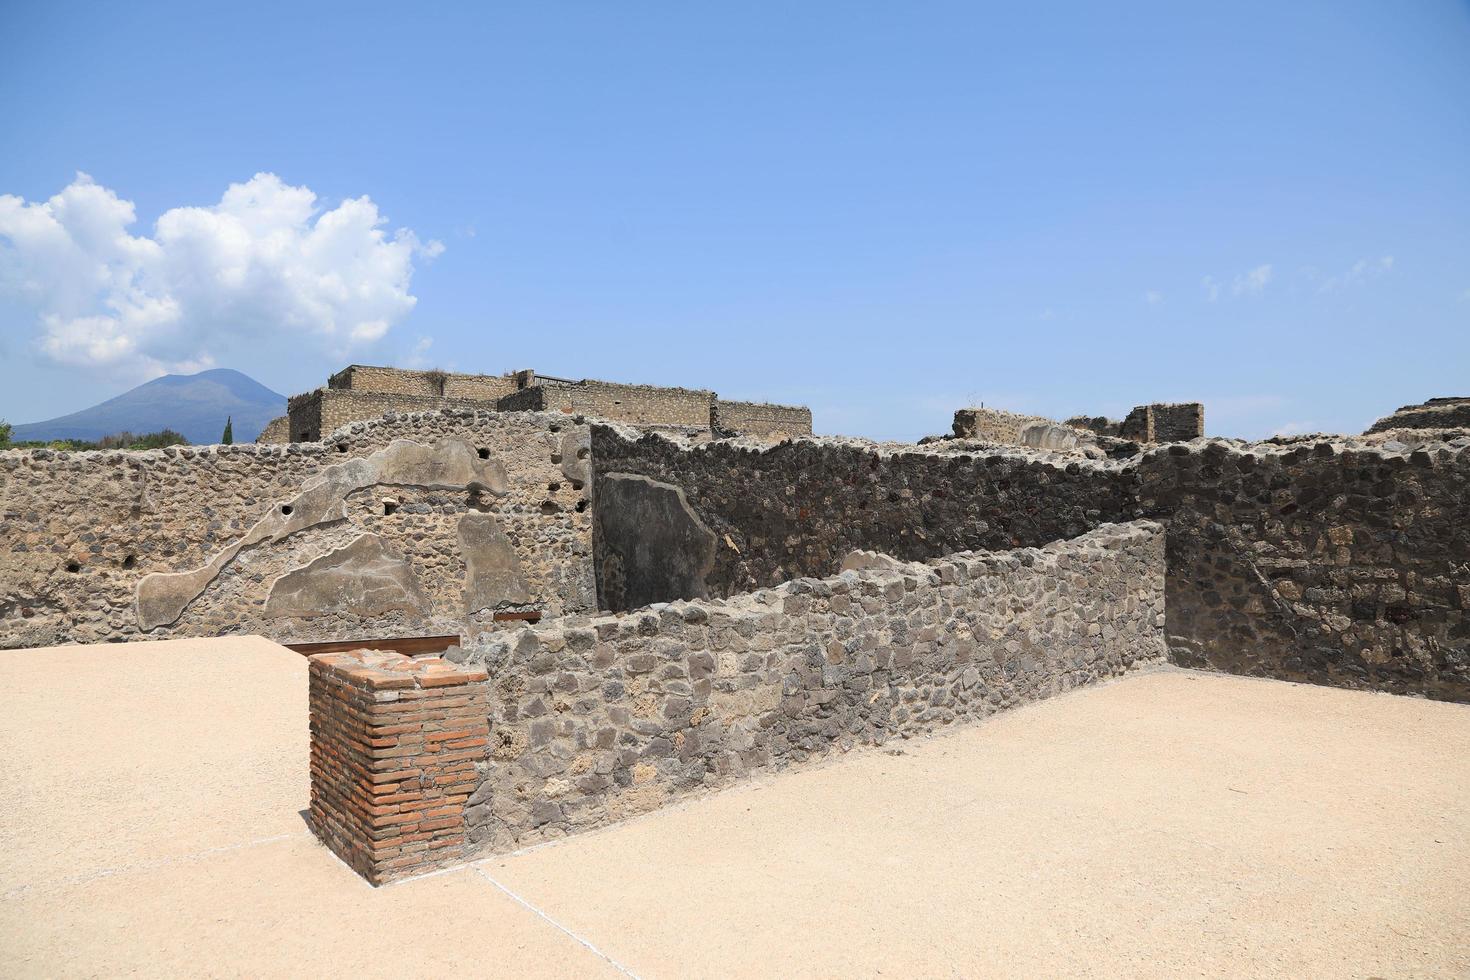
[{"x": 1173, "y": 823}]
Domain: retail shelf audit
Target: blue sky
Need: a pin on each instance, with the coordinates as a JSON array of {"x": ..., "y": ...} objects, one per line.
[{"x": 884, "y": 211}]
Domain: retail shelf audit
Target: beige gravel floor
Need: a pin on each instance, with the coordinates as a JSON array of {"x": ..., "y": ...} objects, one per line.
[{"x": 1172, "y": 823}]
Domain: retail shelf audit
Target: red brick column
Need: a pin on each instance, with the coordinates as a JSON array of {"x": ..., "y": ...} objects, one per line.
[{"x": 394, "y": 743}]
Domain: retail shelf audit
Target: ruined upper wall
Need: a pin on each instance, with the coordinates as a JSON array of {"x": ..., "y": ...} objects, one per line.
[
  {"x": 600, "y": 718},
  {"x": 433, "y": 384},
  {"x": 756, "y": 515},
  {"x": 644, "y": 405},
  {"x": 1161, "y": 422},
  {"x": 276, "y": 431},
  {"x": 1437, "y": 413},
  {"x": 1010, "y": 429},
  {"x": 405, "y": 525},
  {"x": 1335, "y": 562},
  {"x": 315, "y": 415},
  {"x": 762, "y": 419}
]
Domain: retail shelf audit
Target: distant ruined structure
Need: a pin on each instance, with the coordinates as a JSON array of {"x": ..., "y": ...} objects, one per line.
[
  {"x": 360, "y": 392},
  {"x": 1437, "y": 413},
  {"x": 639, "y": 612},
  {"x": 1145, "y": 425}
]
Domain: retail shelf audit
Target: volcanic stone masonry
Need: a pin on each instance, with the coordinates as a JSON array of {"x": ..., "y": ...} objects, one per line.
[
  {"x": 595, "y": 719},
  {"x": 1336, "y": 561},
  {"x": 407, "y": 525},
  {"x": 360, "y": 392}
]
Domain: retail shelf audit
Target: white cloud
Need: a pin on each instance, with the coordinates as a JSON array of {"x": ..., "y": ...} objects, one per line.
[
  {"x": 1361, "y": 271},
  {"x": 1153, "y": 297},
  {"x": 1047, "y": 314},
  {"x": 1296, "y": 429},
  {"x": 1211, "y": 288},
  {"x": 1251, "y": 282},
  {"x": 265, "y": 264}
]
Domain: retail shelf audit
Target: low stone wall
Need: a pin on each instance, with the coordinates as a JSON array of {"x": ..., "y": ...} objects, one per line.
[
  {"x": 406, "y": 525},
  {"x": 761, "y": 419},
  {"x": 685, "y": 521},
  {"x": 598, "y": 719}
]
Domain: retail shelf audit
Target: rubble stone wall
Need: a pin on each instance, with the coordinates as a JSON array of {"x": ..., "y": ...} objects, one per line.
[
  {"x": 762, "y": 419},
  {"x": 642, "y": 405},
  {"x": 600, "y": 718},
  {"x": 1437, "y": 413},
  {"x": 1341, "y": 561},
  {"x": 276, "y": 431},
  {"x": 316, "y": 414},
  {"x": 771, "y": 513},
  {"x": 398, "y": 381},
  {"x": 405, "y": 525},
  {"x": 1330, "y": 562}
]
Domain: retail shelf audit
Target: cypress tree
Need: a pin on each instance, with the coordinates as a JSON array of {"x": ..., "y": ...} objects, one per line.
[{"x": 228, "y": 439}]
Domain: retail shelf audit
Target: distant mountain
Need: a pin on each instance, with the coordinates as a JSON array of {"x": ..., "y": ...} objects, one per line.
[{"x": 195, "y": 405}]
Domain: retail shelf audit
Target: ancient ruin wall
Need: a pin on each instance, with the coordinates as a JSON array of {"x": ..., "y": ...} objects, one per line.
[
  {"x": 1343, "y": 563},
  {"x": 1437, "y": 413},
  {"x": 406, "y": 525},
  {"x": 643, "y": 405},
  {"x": 276, "y": 431},
  {"x": 1332, "y": 564},
  {"x": 603, "y": 718},
  {"x": 761, "y": 419},
  {"x": 722, "y": 518},
  {"x": 429, "y": 384},
  {"x": 317, "y": 414}
]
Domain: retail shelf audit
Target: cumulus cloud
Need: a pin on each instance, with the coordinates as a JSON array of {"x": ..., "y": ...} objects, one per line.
[{"x": 266, "y": 263}]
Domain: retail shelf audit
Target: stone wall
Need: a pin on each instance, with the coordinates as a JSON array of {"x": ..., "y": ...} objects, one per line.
[
  {"x": 761, "y": 419},
  {"x": 276, "y": 431},
  {"x": 642, "y": 405},
  {"x": 318, "y": 413},
  {"x": 398, "y": 381},
  {"x": 1437, "y": 413},
  {"x": 680, "y": 521},
  {"x": 1164, "y": 423},
  {"x": 598, "y": 719},
  {"x": 406, "y": 525},
  {"x": 1334, "y": 562},
  {"x": 1341, "y": 562}
]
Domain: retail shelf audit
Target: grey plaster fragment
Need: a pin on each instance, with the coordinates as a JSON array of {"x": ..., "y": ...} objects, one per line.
[
  {"x": 366, "y": 578},
  {"x": 492, "y": 570}
]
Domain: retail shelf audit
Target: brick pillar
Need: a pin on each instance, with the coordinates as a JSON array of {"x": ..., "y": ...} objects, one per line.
[{"x": 394, "y": 743}]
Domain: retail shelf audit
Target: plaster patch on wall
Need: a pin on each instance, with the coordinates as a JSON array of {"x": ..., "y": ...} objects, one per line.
[
  {"x": 449, "y": 464},
  {"x": 653, "y": 545},
  {"x": 366, "y": 578},
  {"x": 492, "y": 570}
]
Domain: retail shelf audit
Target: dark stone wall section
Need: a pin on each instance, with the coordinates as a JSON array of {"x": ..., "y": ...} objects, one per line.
[
  {"x": 796, "y": 509},
  {"x": 1343, "y": 563},
  {"x": 1348, "y": 567}
]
